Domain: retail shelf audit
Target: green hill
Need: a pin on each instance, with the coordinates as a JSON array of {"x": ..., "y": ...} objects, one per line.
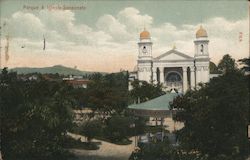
[{"x": 62, "y": 70}]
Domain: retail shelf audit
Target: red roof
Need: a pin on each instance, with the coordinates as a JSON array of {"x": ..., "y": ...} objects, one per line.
[{"x": 78, "y": 82}]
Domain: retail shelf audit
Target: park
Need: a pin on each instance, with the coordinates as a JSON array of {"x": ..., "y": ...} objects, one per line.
[{"x": 38, "y": 120}]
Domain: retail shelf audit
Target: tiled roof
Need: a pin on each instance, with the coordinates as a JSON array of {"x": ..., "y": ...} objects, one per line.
[{"x": 159, "y": 103}]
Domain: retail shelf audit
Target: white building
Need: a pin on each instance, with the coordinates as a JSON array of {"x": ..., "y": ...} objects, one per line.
[{"x": 175, "y": 70}]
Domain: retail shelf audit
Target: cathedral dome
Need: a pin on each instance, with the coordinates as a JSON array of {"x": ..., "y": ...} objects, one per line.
[
  {"x": 201, "y": 32},
  {"x": 144, "y": 35}
]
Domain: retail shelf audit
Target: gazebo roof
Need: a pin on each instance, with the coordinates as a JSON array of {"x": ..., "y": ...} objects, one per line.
[{"x": 159, "y": 106}]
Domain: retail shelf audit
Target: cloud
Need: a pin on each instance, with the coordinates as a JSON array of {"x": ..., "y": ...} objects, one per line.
[
  {"x": 125, "y": 25},
  {"x": 113, "y": 39},
  {"x": 59, "y": 20},
  {"x": 223, "y": 35},
  {"x": 133, "y": 19},
  {"x": 112, "y": 26},
  {"x": 25, "y": 25}
]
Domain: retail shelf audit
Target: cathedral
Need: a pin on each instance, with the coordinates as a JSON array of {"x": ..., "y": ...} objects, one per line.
[{"x": 177, "y": 71}]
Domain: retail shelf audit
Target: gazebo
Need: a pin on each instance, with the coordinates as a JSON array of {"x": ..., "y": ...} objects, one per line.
[{"x": 158, "y": 107}]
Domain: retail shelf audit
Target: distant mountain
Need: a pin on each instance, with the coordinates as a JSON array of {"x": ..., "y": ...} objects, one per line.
[{"x": 62, "y": 70}]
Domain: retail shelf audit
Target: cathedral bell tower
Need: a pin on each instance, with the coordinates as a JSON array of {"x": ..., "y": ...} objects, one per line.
[
  {"x": 201, "y": 56},
  {"x": 145, "y": 46},
  {"x": 145, "y": 56},
  {"x": 201, "y": 43}
]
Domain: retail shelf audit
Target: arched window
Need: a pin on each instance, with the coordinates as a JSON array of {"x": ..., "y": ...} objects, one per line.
[
  {"x": 173, "y": 77},
  {"x": 202, "y": 48}
]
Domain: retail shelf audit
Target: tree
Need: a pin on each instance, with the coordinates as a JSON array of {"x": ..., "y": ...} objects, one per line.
[
  {"x": 92, "y": 129},
  {"x": 143, "y": 91},
  {"x": 35, "y": 116},
  {"x": 246, "y": 64},
  {"x": 108, "y": 94},
  {"x": 155, "y": 151},
  {"x": 215, "y": 117},
  {"x": 79, "y": 96},
  {"x": 246, "y": 69},
  {"x": 213, "y": 68},
  {"x": 227, "y": 64},
  {"x": 118, "y": 128}
]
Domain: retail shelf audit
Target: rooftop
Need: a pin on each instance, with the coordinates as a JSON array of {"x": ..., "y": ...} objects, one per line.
[{"x": 161, "y": 103}]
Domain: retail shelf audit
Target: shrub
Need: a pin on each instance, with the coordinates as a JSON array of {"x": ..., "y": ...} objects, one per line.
[
  {"x": 92, "y": 129},
  {"x": 118, "y": 128}
]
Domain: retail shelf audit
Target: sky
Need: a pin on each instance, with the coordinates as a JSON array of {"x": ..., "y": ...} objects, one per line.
[{"x": 102, "y": 35}]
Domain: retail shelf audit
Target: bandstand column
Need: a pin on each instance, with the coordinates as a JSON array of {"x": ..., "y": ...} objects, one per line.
[
  {"x": 184, "y": 73},
  {"x": 161, "y": 74},
  {"x": 192, "y": 78}
]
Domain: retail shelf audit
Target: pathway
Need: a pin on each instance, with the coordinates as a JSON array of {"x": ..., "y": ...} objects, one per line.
[{"x": 107, "y": 151}]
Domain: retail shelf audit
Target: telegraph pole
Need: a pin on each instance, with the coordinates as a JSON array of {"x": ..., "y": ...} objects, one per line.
[{"x": 0, "y": 47}]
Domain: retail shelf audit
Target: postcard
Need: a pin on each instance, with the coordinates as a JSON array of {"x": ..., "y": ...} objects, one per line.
[{"x": 108, "y": 79}]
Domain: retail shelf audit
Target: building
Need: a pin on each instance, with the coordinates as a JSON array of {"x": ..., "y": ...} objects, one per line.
[
  {"x": 76, "y": 81},
  {"x": 159, "y": 111},
  {"x": 175, "y": 70}
]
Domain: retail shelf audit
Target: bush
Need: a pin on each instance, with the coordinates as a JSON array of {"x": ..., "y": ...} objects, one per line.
[
  {"x": 118, "y": 128},
  {"x": 70, "y": 142},
  {"x": 92, "y": 129},
  {"x": 157, "y": 151}
]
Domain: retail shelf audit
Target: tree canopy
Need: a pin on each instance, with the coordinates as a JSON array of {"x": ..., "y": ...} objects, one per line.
[
  {"x": 143, "y": 91},
  {"x": 108, "y": 94},
  {"x": 35, "y": 116},
  {"x": 216, "y": 116},
  {"x": 213, "y": 68},
  {"x": 227, "y": 64},
  {"x": 246, "y": 64}
]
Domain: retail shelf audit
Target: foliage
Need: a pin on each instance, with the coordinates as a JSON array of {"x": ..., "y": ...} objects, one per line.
[
  {"x": 92, "y": 129},
  {"x": 155, "y": 129},
  {"x": 35, "y": 116},
  {"x": 108, "y": 94},
  {"x": 79, "y": 96},
  {"x": 216, "y": 116},
  {"x": 213, "y": 68},
  {"x": 246, "y": 64},
  {"x": 157, "y": 151},
  {"x": 143, "y": 91},
  {"x": 118, "y": 128},
  {"x": 70, "y": 142},
  {"x": 227, "y": 64},
  {"x": 140, "y": 125}
]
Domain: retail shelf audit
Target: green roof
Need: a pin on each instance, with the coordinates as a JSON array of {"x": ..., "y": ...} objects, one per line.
[{"x": 156, "y": 104}]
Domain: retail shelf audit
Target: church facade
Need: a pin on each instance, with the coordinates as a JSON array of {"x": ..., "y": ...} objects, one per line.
[{"x": 175, "y": 70}]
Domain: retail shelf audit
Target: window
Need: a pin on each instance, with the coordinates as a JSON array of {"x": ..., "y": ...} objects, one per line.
[
  {"x": 173, "y": 77},
  {"x": 202, "y": 48}
]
